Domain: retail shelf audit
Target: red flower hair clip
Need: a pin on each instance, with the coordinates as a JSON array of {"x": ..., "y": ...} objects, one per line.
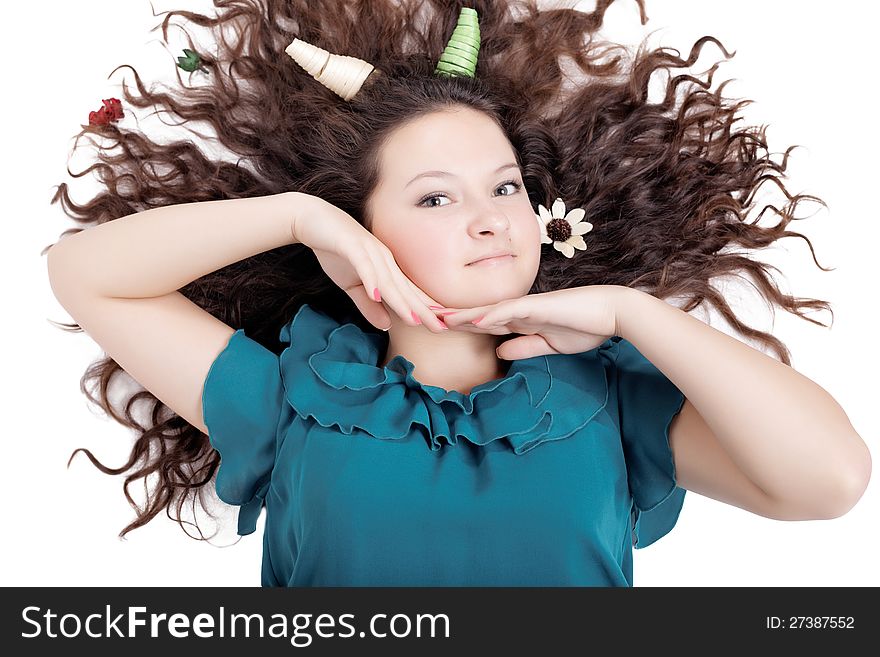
[{"x": 111, "y": 111}]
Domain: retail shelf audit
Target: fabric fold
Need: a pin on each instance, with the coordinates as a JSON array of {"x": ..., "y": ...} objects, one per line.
[
  {"x": 242, "y": 399},
  {"x": 648, "y": 402},
  {"x": 331, "y": 373}
]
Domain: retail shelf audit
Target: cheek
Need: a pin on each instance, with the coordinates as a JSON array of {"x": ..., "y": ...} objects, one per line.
[
  {"x": 424, "y": 256},
  {"x": 532, "y": 243}
]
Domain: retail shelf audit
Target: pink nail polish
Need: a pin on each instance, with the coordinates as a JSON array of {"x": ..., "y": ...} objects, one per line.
[
  {"x": 415, "y": 317},
  {"x": 376, "y": 295},
  {"x": 435, "y": 307},
  {"x": 477, "y": 321}
]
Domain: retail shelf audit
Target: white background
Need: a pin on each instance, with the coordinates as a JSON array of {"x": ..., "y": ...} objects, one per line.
[{"x": 812, "y": 75}]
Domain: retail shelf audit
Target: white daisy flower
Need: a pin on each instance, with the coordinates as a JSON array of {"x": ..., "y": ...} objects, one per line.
[{"x": 563, "y": 230}]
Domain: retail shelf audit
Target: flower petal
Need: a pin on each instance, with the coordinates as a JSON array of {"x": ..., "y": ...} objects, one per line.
[
  {"x": 542, "y": 231},
  {"x": 581, "y": 228},
  {"x": 544, "y": 214},
  {"x": 575, "y": 216},
  {"x": 565, "y": 249},
  {"x": 577, "y": 242},
  {"x": 558, "y": 209}
]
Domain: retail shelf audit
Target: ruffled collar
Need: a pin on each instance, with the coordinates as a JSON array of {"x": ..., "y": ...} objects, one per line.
[{"x": 331, "y": 373}]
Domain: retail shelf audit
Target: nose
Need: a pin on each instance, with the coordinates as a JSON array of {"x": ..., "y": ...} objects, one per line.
[{"x": 492, "y": 219}]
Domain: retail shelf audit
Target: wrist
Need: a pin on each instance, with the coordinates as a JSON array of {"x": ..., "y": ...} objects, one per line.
[
  {"x": 627, "y": 302},
  {"x": 297, "y": 202}
]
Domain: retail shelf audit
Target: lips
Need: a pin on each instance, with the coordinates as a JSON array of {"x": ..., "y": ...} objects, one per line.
[{"x": 494, "y": 254}]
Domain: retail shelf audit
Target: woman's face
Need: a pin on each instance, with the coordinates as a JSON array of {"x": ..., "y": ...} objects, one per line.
[{"x": 436, "y": 224}]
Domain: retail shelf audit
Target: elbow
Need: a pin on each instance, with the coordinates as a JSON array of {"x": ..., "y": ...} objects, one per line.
[
  {"x": 64, "y": 278},
  {"x": 853, "y": 486},
  {"x": 53, "y": 270},
  {"x": 846, "y": 485}
]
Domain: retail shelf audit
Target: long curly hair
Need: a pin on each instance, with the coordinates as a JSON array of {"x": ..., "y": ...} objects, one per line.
[{"x": 667, "y": 185}]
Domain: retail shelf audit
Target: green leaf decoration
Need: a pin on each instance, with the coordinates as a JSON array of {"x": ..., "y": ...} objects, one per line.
[{"x": 191, "y": 62}]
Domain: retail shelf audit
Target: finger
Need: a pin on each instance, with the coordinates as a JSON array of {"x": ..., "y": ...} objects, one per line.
[
  {"x": 526, "y": 346},
  {"x": 492, "y": 330},
  {"x": 377, "y": 280},
  {"x": 373, "y": 312},
  {"x": 444, "y": 312},
  {"x": 468, "y": 327},
  {"x": 420, "y": 304},
  {"x": 424, "y": 297},
  {"x": 495, "y": 314},
  {"x": 412, "y": 297},
  {"x": 417, "y": 311},
  {"x": 460, "y": 317},
  {"x": 394, "y": 298},
  {"x": 433, "y": 307},
  {"x": 389, "y": 291}
]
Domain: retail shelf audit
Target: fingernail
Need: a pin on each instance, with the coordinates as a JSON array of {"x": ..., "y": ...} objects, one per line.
[
  {"x": 376, "y": 295},
  {"x": 477, "y": 321},
  {"x": 415, "y": 317},
  {"x": 443, "y": 325},
  {"x": 435, "y": 307}
]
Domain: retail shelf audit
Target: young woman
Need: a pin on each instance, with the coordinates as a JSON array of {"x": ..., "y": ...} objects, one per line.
[{"x": 421, "y": 318}]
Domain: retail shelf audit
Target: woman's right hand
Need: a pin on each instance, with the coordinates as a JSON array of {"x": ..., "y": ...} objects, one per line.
[{"x": 358, "y": 262}]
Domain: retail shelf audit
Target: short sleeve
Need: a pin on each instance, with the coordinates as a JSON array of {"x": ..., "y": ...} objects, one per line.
[
  {"x": 242, "y": 399},
  {"x": 647, "y": 403}
]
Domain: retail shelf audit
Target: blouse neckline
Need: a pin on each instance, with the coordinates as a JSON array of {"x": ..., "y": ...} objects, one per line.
[{"x": 331, "y": 373}]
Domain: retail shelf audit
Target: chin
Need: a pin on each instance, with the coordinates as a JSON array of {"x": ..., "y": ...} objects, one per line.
[{"x": 496, "y": 293}]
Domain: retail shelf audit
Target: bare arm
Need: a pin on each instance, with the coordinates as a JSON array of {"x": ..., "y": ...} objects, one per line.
[
  {"x": 119, "y": 282},
  {"x": 160, "y": 250},
  {"x": 749, "y": 422}
]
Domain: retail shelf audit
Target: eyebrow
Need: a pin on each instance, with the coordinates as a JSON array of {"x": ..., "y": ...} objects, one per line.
[{"x": 426, "y": 174}]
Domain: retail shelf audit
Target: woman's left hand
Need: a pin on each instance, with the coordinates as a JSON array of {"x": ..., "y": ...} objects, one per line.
[{"x": 560, "y": 322}]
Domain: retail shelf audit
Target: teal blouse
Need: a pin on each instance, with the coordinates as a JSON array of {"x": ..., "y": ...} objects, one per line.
[{"x": 546, "y": 477}]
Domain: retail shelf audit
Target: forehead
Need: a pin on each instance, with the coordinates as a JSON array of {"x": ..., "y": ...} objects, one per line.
[{"x": 462, "y": 140}]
